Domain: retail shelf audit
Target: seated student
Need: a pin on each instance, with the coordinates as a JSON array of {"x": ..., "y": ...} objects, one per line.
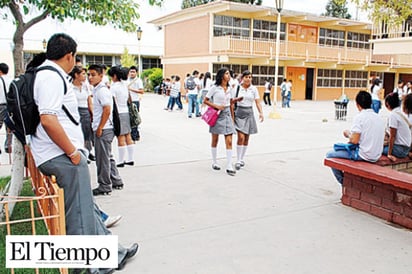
[
  {"x": 399, "y": 142},
  {"x": 367, "y": 131}
]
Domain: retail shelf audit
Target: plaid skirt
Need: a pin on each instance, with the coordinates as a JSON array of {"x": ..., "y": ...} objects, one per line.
[
  {"x": 224, "y": 124},
  {"x": 245, "y": 120}
]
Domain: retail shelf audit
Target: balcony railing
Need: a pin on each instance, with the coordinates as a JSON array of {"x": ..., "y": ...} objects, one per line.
[
  {"x": 384, "y": 30},
  {"x": 309, "y": 52}
]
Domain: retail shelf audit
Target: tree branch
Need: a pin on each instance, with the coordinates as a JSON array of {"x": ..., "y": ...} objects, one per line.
[{"x": 37, "y": 19}]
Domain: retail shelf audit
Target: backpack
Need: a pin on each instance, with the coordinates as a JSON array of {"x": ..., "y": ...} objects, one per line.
[
  {"x": 23, "y": 116},
  {"x": 115, "y": 118},
  {"x": 190, "y": 83}
]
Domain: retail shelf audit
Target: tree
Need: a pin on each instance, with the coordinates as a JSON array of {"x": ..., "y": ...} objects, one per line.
[
  {"x": 194, "y": 3},
  {"x": 127, "y": 60},
  {"x": 121, "y": 14},
  {"x": 393, "y": 12},
  {"x": 337, "y": 8}
]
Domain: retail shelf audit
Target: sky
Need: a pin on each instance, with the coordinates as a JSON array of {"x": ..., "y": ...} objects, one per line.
[{"x": 152, "y": 39}]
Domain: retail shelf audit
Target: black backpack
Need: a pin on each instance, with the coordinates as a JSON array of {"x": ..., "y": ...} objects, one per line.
[
  {"x": 190, "y": 83},
  {"x": 115, "y": 118},
  {"x": 23, "y": 116}
]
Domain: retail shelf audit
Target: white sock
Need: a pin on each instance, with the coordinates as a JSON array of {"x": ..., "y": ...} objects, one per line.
[
  {"x": 243, "y": 152},
  {"x": 122, "y": 151},
  {"x": 229, "y": 159},
  {"x": 214, "y": 155},
  {"x": 239, "y": 151},
  {"x": 130, "y": 151}
]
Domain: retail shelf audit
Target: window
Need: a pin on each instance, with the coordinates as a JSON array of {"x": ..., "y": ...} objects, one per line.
[
  {"x": 329, "y": 78},
  {"x": 228, "y": 25},
  {"x": 356, "y": 79},
  {"x": 267, "y": 30},
  {"x": 358, "y": 40},
  {"x": 261, "y": 73},
  {"x": 98, "y": 59},
  {"x": 236, "y": 68},
  {"x": 332, "y": 38},
  {"x": 148, "y": 63}
]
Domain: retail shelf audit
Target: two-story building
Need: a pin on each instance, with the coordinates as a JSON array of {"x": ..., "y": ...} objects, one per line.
[{"x": 325, "y": 57}]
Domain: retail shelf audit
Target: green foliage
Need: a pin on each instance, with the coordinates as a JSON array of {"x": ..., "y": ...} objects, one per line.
[
  {"x": 127, "y": 60},
  {"x": 337, "y": 8},
  {"x": 21, "y": 211},
  {"x": 393, "y": 12},
  {"x": 152, "y": 78},
  {"x": 194, "y": 3}
]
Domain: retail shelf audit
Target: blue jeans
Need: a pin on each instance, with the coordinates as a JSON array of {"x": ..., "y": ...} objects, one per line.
[
  {"x": 344, "y": 154},
  {"x": 397, "y": 151},
  {"x": 193, "y": 101},
  {"x": 376, "y": 105}
]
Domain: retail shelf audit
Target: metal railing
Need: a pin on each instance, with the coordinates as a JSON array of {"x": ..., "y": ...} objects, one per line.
[{"x": 49, "y": 200}]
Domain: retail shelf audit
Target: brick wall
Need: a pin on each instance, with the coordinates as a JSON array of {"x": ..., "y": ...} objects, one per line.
[
  {"x": 402, "y": 167},
  {"x": 385, "y": 201}
]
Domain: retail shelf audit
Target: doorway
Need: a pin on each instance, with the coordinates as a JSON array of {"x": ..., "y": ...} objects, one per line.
[
  {"x": 388, "y": 82},
  {"x": 299, "y": 79},
  {"x": 309, "y": 83}
]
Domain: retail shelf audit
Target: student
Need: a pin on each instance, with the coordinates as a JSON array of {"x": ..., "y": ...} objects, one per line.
[
  {"x": 266, "y": 94},
  {"x": 221, "y": 94},
  {"x": 407, "y": 109},
  {"x": 108, "y": 176},
  {"x": 65, "y": 156},
  {"x": 135, "y": 87},
  {"x": 367, "y": 131},
  {"x": 4, "y": 88},
  {"x": 376, "y": 89},
  {"x": 245, "y": 122},
  {"x": 192, "y": 92},
  {"x": 119, "y": 90},
  {"x": 399, "y": 142}
]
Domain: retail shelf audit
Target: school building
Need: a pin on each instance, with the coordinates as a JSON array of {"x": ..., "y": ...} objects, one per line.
[{"x": 325, "y": 57}]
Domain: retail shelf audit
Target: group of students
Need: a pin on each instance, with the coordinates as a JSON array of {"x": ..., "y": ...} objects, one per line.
[
  {"x": 371, "y": 136},
  {"x": 66, "y": 155},
  {"x": 285, "y": 92},
  {"x": 96, "y": 97}
]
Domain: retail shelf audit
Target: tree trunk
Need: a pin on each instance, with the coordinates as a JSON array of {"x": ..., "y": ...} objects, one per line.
[
  {"x": 17, "y": 171},
  {"x": 18, "y": 51}
]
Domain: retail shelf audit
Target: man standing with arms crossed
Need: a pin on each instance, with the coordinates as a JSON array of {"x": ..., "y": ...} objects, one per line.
[{"x": 58, "y": 147}]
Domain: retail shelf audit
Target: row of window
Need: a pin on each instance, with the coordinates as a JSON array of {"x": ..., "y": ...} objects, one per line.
[
  {"x": 262, "y": 29},
  {"x": 333, "y": 78}
]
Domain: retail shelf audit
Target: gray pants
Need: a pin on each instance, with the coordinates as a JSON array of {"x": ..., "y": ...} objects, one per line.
[
  {"x": 107, "y": 173},
  {"x": 82, "y": 213}
]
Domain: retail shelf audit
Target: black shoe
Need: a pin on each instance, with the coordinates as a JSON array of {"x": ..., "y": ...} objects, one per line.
[
  {"x": 129, "y": 163},
  {"x": 131, "y": 252},
  {"x": 97, "y": 192},
  {"x": 119, "y": 187},
  {"x": 120, "y": 165},
  {"x": 230, "y": 172},
  {"x": 215, "y": 167},
  {"x": 92, "y": 157}
]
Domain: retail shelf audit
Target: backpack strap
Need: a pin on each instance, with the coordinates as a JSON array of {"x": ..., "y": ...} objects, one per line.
[{"x": 65, "y": 91}]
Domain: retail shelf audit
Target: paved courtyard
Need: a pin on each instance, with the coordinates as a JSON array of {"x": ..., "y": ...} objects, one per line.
[{"x": 280, "y": 214}]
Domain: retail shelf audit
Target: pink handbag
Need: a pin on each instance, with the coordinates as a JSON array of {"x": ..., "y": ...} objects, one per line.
[{"x": 210, "y": 116}]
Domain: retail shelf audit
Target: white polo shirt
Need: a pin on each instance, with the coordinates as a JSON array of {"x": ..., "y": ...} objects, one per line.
[
  {"x": 403, "y": 133},
  {"x": 372, "y": 131},
  {"x": 101, "y": 97},
  {"x": 249, "y": 95},
  {"x": 7, "y": 82},
  {"x": 49, "y": 96},
  {"x": 135, "y": 83},
  {"x": 218, "y": 96},
  {"x": 121, "y": 93}
]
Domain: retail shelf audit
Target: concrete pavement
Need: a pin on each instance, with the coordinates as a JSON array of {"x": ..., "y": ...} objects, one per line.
[{"x": 280, "y": 214}]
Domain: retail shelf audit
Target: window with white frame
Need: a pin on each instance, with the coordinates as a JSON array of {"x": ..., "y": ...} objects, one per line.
[
  {"x": 236, "y": 68},
  {"x": 356, "y": 79},
  {"x": 331, "y": 78},
  {"x": 228, "y": 25},
  {"x": 331, "y": 37},
  {"x": 266, "y": 30},
  {"x": 99, "y": 59},
  {"x": 358, "y": 40},
  {"x": 261, "y": 73}
]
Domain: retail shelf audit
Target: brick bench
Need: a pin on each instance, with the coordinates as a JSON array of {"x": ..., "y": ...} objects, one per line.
[{"x": 383, "y": 189}]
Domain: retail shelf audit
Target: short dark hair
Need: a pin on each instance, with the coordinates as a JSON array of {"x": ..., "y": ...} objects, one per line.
[
  {"x": 246, "y": 72},
  {"x": 392, "y": 100},
  {"x": 133, "y": 67},
  {"x": 75, "y": 70},
  {"x": 195, "y": 72},
  {"x": 177, "y": 78},
  {"x": 97, "y": 68},
  {"x": 59, "y": 45},
  {"x": 4, "y": 68},
  {"x": 364, "y": 99},
  {"x": 407, "y": 104}
]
